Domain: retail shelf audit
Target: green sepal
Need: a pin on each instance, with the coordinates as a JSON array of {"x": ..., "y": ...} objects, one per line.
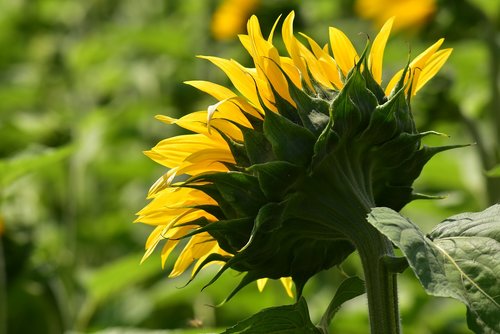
[
  {"x": 199, "y": 222},
  {"x": 400, "y": 85},
  {"x": 231, "y": 234},
  {"x": 258, "y": 148},
  {"x": 214, "y": 210},
  {"x": 325, "y": 144},
  {"x": 289, "y": 141},
  {"x": 212, "y": 191},
  {"x": 352, "y": 108},
  {"x": 387, "y": 120},
  {"x": 411, "y": 168},
  {"x": 269, "y": 218},
  {"x": 276, "y": 178},
  {"x": 247, "y": 279},
  {"x": 210, "y": 258},
  {"x": 313, "y": 112},
  {"x": 372, "y": 85},
  {"x": 215, "y": 257},
  {"x": 239, "y": 191},
  {"x": 238, "y": 150}
]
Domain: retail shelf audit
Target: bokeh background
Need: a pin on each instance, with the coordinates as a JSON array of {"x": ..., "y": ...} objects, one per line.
[{"x": 80, "y": 83}]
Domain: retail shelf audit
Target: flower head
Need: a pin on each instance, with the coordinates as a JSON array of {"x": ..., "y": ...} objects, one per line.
[
  {"x": 410, "y": 14},
  {"x": 230, "y": 17},
  {"x": 277, "y": 178}
]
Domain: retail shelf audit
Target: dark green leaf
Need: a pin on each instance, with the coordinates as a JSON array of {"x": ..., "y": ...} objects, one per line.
[
  {"x": 288, "y": 319},
  {"x": 459, "y": 259}
]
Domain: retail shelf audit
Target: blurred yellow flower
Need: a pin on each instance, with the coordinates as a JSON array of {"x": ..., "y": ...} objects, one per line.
[
  {"x": 211, "y": 194},
  {"x": 230, "y": 17},
  {"x": 409, "y": 14}
]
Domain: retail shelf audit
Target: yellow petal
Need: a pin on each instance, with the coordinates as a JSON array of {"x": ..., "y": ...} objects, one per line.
[
  {"x": 291, "y": 71},
  {"x": 214, "y": 250},
  {"x": 419, "y": 63},
  {"x": 327, "y": 63},
  {"x": 287, "y": 284},
  {"x": 377, "y": 50},
  {"x": 172, "y": 151},
  {"x": 195, "y": 121},
  {"x": 261, "y": 284},
  {"x": 432, "y": 66},
  {"x": 239, "y": 77},
  {"x": 170, "y": 245},
  {"x": 392, "y": 83},
  {"x": 314, "y": 66},
  {"x": 343, "y": 51},
  {"x": 198, "y": 246},
  {"x": 271, "y": 34},
  {"x": 293, "y": 49},
  {"x": 217, "y": 91}
]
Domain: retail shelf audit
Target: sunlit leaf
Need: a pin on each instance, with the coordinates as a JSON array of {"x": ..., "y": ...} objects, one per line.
[{"x": 458, "y": 259}]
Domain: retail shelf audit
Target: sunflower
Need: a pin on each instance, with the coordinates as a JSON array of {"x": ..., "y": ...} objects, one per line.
[
  {"x": 410, "y": 14},
  {"x": 230, "y": 16},
  {"x": 277, "y": 177}
]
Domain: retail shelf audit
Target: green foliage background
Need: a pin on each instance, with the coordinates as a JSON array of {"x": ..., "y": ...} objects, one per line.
[{"x": 80, "y": 82}]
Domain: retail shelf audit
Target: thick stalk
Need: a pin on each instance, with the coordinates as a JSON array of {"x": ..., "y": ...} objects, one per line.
[
  {"x": 381, "y": 284},
  {"x": 347, "y": 207}
]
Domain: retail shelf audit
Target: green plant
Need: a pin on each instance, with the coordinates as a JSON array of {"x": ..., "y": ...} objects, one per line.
[{"x": 309, "y": 163}]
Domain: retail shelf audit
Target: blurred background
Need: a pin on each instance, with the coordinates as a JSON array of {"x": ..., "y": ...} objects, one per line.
[{"x": 80, "y": 84}]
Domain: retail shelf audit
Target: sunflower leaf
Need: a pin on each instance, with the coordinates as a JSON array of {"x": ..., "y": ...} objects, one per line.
[
  {"x": 458, "y": 259},
  {"x": 292, "y": 319}
]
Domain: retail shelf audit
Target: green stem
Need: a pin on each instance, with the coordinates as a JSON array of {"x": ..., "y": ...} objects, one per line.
[{"x": 381, "y": 284}]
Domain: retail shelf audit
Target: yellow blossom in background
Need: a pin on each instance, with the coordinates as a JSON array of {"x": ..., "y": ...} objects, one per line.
[
  {"x": 230, "y": 17},
  {"x": 409, "y": 14},
  {"x": 241, "y": 143}
]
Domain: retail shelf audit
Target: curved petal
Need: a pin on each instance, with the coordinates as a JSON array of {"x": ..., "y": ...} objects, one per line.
[
  {"x": 343, "y": 51},
  {"x": 432, "y": 66},
  {"x": 293, "y": 49},
  {"x": 377, "y": 50},
  {"x": 418, "y": 64}
]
